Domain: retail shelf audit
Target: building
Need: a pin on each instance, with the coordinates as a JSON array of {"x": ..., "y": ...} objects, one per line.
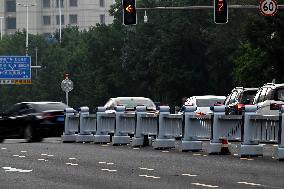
[{"x": 43, "y": 15}]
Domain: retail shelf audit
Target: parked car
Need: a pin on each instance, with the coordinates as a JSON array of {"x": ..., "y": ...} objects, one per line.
[
  {"x": 204, "y": 103},
  {"x": 33, "y": 121},
  {"x": 269, "y": 98},
  {"x": 130, "y": 103},
  {"x": 238, "y": 98}
]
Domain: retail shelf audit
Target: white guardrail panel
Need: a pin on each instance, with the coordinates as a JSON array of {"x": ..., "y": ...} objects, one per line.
[
  {"x": 149, "y": 124},
  {"x": 201, "y": 126},
  {"x": 265, "y": 128},
  {"x": 173, "y": 125},
  {"x": 127, "y": 123}
]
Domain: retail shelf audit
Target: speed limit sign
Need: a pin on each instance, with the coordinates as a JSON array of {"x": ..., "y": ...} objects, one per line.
[{"x": 268, "y": 7}]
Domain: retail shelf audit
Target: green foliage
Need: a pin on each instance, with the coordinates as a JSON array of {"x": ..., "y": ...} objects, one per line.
[{"x": 177, "y": 53}]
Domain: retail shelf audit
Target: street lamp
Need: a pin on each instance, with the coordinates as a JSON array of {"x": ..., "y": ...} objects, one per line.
[
  {"x": 59, "y": 6},
  {"x": 27, "y": 29},
  {"x": 1, "y": 25}
]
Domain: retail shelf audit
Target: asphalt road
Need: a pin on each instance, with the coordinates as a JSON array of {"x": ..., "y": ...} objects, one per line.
[{"x": 53, "y": 164}]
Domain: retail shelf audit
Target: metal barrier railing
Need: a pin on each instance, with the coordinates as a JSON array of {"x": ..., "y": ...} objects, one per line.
[
  {"x": 105, "y": 126},
  {"x": 71, "y": 125}
]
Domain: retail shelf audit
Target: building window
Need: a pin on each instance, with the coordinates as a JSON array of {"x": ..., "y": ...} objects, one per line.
[
  {"x": 46, "y": 3},
  {"x": 11, "y": 5},
  {"x": 102, "y": 19},
  {"x": 61, "y": 3},
  {"x": 46, "y": 20},
  {"x": 73, "y": 19},
  {"x": 73, "y": 3},
  {"x": 62, "y": 19},
  {"x": 11, "y": 23},
  {"x": 102, "y": 3}
]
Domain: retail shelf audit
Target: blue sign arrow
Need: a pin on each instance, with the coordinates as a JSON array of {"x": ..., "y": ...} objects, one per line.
[{"x": 15, "y": 67}]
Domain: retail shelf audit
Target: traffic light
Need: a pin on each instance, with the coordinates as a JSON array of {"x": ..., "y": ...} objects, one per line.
[
  {"x": 129, "y": 12},
  {"x": 220, "y": 11}
]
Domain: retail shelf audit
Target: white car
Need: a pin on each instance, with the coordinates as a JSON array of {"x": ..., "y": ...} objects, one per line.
[
  {"x": 130, "y": 103},
  {"x": 269, "y": 98},
  {"x": 203, "y": 103}
]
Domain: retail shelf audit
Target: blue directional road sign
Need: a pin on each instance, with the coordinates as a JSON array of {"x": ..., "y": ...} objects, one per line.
[{"x": 15, "y": 67}]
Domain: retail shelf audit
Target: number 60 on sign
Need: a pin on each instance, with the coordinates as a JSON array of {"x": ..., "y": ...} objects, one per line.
[{"x": 268, "y": 7}]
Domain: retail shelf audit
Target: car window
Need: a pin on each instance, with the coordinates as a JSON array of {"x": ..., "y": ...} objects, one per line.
[
  {"x": 49, "y": 106},
  {"x": 24, "y": 109},
  {"x": 132, "y": 103},
  {"x": 262, "y": 94},
  {"x": 206, "y": 102},
  {"x": 268, "y": 95},
  {"x": 280, "y": 94},
  {"x": 247, "y": 97},
  {"x": 13, "y": 111},
  {"x": 234, "y": 97}
]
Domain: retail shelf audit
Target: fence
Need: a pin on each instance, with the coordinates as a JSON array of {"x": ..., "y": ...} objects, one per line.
[{"x": 251, "y": 129}]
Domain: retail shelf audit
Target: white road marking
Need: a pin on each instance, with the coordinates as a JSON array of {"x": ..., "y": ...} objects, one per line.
[
  {"x": 148, "y": 176},
  {"x": 23, "y": 151},
  {"x": 11, "y": 169},
  {"x": 16, "y": 155},
  {"x": 204, "y": 185},
  {"x": 275, "y": 145},
  {"x": 72, "y": 158},
  {"x": 102, "y": 162},
  {"x": 261, "y": 185},
  {"x": 50, "y": 155},
  {"x": 44, "y": 154},
  {"x": 104, "y": 145},
  {"x": 109, "y": 170},
  {"x": 196, "y": 154},
  {"x": 236, "y": 154},
  {"x": 110, "y": 163},
  {"x": 40, "y": 159},
  {"x": 136, "y": 148},
  {"x": 3, "y": 148},
  {"x": 144, "y": 168},
  {"x": 165, "y": 151},
  {"x": 22, "y": 156},
  {"x": 73, "y": 164},
  {"x": 190, "y": 175}
]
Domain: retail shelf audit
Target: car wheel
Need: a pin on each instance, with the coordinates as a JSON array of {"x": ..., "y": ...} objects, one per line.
[{"x": 30, "y": 135}]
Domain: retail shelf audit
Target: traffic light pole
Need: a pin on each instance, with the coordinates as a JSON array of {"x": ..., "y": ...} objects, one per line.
[{"x": 204, "y": 7}]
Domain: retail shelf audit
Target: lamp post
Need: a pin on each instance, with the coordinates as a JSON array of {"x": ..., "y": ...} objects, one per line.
[
  {"x": 27, "y": 29},
  {"x": 1, "y": 25},
  {"x": 59, "y": 6}
]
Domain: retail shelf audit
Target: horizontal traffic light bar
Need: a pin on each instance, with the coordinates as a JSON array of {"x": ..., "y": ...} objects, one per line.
[{"x": 205, "y": 7}]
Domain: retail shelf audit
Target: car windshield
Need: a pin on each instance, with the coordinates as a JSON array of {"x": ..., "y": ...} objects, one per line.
[
  {"x": 247, "y": 97},
  {"x": 207, "y": 102},
  {"x": 132, "y": 103},
  {"x": 280, "y": 94},
  {"x": 49, "y": 106}
]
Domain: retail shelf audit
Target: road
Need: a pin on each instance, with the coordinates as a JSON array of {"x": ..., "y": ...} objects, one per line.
[{"x": 53, "y": 164}]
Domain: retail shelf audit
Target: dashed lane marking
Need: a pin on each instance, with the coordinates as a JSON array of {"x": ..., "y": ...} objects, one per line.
[
  {"x": 3, "y": 148},
  {"x": 109, "y": 170},
  {"x": 204, "y": 185},
  {"x": 44, "y": 154},
  {"x": 165, "y": 151},
  {"x": 72, "y": 158},
  {"x": 144, "y": 168},
  {"x": 259, "y": 185},
  {"x": 73, "y": 164},
  {"x": 148, "y": 176},
  {"x": 42, "y": 159},
  {"x": 190, "y": 175},
  {"x": 23, "y": 151},
  {"x": 16, "y": 155},
  {"x": 11, "y": 169}
]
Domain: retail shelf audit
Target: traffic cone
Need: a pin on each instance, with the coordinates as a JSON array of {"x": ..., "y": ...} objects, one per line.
[{"x": 225, "y": 147}]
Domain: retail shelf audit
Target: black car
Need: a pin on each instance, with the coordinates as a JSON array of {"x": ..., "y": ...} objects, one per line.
[
  {"x": 33, "y": 121},
  {"x": 238, "y": 98}
]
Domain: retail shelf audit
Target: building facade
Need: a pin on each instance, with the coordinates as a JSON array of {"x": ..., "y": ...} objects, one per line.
[{"x": 43, "y": 15}]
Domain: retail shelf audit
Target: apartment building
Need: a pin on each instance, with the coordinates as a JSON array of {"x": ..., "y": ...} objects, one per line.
[{"x": 43, "y": 15}]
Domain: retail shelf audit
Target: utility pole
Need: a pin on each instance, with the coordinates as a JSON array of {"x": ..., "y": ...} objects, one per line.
[{"x": 1, "y": 25}]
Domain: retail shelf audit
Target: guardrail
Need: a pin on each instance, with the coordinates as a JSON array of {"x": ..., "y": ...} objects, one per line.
[
  {"x": 251, "y": 129},
  {"x": 70, "y": 126},
  {"x": 105, "y": 126}
]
